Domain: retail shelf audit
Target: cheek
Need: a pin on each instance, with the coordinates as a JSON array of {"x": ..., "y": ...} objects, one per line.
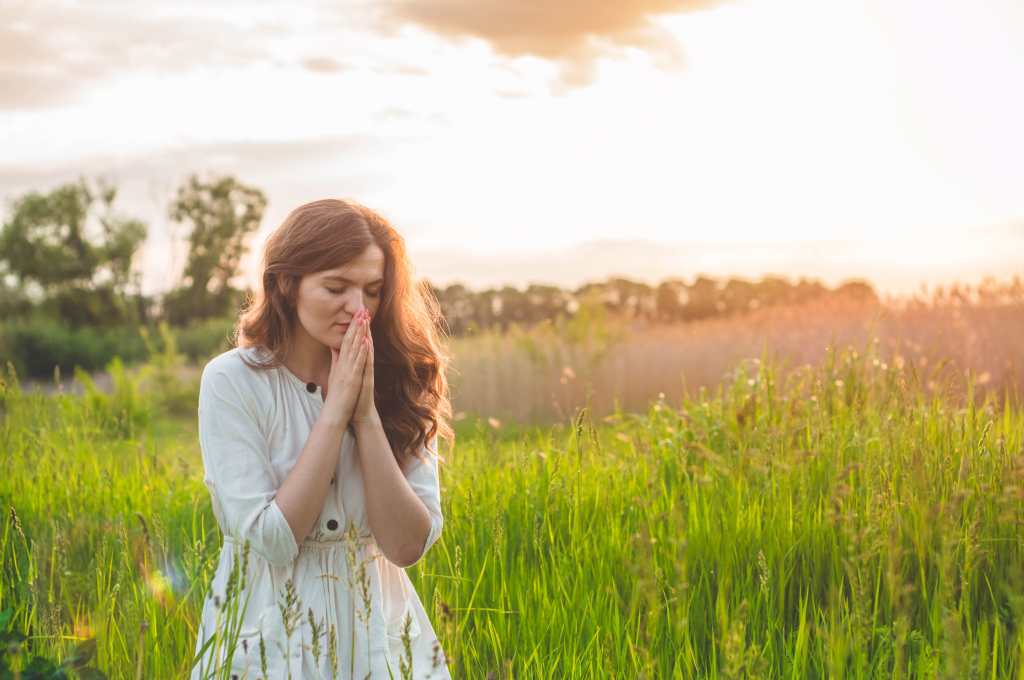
[
  {"x": 326, "y": 303},
  {"x": 321, "y": 308}
]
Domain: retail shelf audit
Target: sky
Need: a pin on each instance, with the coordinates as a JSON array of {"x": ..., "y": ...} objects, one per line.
[{"x": 519, "y": 141}]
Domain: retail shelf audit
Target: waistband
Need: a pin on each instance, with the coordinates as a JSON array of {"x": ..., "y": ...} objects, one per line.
[{"x": 362, "y": 540}]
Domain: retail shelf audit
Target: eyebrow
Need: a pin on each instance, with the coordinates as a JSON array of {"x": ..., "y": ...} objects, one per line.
[{"x": 335, "y": 277}]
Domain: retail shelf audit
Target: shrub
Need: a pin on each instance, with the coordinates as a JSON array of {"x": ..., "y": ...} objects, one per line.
[
  {"x": 126, "y": 409},
  {"x": 36, "y": 345},
  {"x": 202, "y": 340},
  {"x": 162, "y": 374}
]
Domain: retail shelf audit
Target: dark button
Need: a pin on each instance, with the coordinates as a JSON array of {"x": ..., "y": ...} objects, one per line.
[
  {"x": 311, "y": 387},
  {"x": 332, "y": 524}
]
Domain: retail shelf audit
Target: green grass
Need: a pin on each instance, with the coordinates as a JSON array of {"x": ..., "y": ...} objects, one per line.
[{"x": 848, "y": 523}]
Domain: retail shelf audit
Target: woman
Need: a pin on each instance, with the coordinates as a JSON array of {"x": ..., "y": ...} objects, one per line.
[{"x": 319, "y": 441}]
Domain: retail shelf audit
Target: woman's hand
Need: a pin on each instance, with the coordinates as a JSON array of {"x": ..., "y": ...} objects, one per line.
[
  {"x": 366, "y": 406},
  {"x": 347, "y": 368}
]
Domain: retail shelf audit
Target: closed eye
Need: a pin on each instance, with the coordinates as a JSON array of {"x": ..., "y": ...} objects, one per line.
[{"x": 375, "y": 293}]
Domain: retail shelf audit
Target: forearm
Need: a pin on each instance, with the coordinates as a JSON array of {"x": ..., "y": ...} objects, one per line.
[
  {"x": 302, "y": 494},
  {"x": 398, "y": 519}
]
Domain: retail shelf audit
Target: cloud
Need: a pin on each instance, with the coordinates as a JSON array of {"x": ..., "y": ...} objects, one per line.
[
  {"x": 261, "y": 162},
  {"x": 323, "y": 65},
  {"x": 574, "y": 33},
  {"x": 50, "y": 55},
  {"x": 403, "y": 70}
]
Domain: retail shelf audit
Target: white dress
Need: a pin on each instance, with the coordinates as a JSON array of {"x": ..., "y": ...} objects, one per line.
[{"x": 253, "y": 425}]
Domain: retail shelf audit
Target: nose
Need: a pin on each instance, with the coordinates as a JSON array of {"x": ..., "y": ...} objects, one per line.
[{"x": 357, "y": 305}]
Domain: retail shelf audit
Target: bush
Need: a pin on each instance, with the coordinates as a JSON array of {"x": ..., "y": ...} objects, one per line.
[
  {"x": 36, "y": 345},
  {"x": 126, "y": 410},
  {"x": 203, "y": 340},
  {"x": 162, "y": 375}
]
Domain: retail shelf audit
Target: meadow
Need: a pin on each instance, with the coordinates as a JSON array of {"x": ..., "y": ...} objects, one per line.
[
  {"x": 853, "y": 515},
  {"x": 543, "y": 374}
]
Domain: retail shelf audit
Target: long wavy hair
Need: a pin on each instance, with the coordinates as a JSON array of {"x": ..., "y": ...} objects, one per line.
[{"x": 409, "y": 373}]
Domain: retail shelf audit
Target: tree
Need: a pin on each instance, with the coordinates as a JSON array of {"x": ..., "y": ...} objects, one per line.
[
  {"x": 739, "y": 296},
  {"x": 671, "y": 299},
  {"x": 222, "y": 213},
  {"x": 857, "y": 289},
  {"x": 75, "y": 251},
  {"x": 702, "y": 299}
]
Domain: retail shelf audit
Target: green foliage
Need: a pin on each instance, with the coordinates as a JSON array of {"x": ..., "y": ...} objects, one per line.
[
  {"x": 36, "y": 345},
  {"x": 162, "y": 375},
  {"x": 204, "y": 339},
  {"x": 583, "y": 339},
  {"x": 222, "y": 213},
  {"x": 15, "y": 665},
  {"x": 51, "y": 241},
  {"x": 14, "y": 302},
  {"x": 123, "y": 411},
  {"x": 844, "y": 522}
]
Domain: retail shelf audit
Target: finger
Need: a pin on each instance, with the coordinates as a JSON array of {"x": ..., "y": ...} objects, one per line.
[
  {"x": 361, "y": 356},
  {"x": 364, "y": 328},
  {"x": 355, "y": 324},
  {"x": 352, "y": 337},
  {"x": 347, "y": 339}
]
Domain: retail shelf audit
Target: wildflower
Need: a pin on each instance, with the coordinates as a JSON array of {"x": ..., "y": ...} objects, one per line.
[
  {"x": 762, "y": 571},
  {"x": 263, "y": 656},
  {"x": 332, "y": 649},
  {"x": 405, "y": 663},
  {"x": 316, "y": 633}
]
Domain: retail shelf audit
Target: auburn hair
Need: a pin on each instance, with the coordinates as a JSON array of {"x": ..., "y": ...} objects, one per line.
[{"x": 409, "y": 373}]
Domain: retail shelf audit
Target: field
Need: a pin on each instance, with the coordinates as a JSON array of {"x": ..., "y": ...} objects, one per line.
[
  {"x": 851, "y": 515},
  {"x": 544, "y": 374}
]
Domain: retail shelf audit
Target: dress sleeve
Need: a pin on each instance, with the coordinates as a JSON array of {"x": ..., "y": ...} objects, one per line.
[
  {"x": 423, "y": 478},
  {"x": 239, "y": 476}
]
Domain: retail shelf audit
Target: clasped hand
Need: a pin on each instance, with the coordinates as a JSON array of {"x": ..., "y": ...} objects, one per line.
[{"x": 350, "y": 384}]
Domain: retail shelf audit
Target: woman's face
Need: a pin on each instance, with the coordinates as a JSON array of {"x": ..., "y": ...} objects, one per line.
[{"x": 328, "y": 300}]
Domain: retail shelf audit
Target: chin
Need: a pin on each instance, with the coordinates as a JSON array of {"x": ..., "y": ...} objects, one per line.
[{"x": 331, "y": 339}]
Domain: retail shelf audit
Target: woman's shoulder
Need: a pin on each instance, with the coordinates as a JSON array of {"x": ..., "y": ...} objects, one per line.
[
  {"x": 236, "y": 365},
  {"x": 230, "y": 388}
]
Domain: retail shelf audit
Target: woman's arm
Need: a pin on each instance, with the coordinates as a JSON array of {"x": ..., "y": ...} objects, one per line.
[
  {"x": 237, "y": 466},
  {"x": 399, "y": 520},
  {"x": 303, "y": 492}
]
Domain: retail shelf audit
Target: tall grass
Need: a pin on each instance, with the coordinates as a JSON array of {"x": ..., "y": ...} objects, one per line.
[
  {"x": 544, "y": 374},
  {"x": 840, "y": 519}
]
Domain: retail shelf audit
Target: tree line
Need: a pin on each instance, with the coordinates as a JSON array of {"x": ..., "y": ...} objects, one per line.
[{"x": 69, "y": 257}]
